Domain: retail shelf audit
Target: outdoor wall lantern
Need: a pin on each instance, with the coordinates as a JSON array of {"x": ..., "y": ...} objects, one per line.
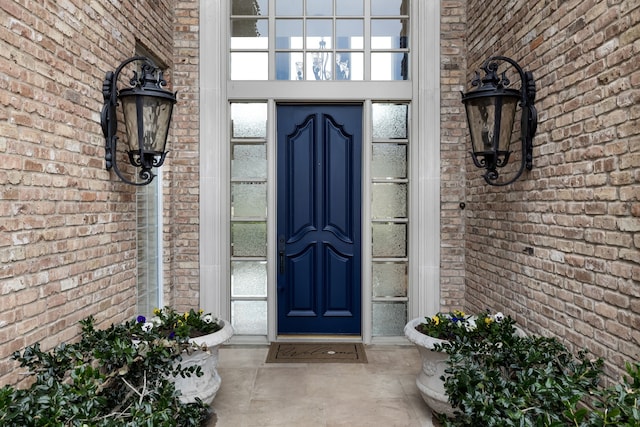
[
  {"x": 147, "y": 109},
  {"x": 491, "y": 110}
]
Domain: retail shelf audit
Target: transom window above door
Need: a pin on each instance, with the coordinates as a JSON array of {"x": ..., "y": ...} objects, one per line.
[{"x": 319, "y": 40}]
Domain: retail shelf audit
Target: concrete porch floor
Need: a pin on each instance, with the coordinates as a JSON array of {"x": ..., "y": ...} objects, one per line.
[{"x": 381, "y": 392}]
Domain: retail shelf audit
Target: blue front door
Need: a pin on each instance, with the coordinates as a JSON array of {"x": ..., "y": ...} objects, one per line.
[{"x": 319, "y": 219}]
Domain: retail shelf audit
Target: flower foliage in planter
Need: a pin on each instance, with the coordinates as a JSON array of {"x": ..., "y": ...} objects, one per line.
[
  {"x": 170, "y": 324},
  {"x": 105, "y": 379},
  {"x": 458, "y": 325}
]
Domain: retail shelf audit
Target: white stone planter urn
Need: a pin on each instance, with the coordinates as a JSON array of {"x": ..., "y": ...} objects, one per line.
[
  {"x": 434, "y": 363},
  {"x": 206, "y": 386},
  {"x": 429, "y": 381}
]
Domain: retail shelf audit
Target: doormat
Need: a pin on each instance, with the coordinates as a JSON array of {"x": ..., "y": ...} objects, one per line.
[{"x": 316, "y": 353}]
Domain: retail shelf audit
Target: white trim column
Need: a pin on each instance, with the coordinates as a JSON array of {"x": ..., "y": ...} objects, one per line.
[
  {"x": 425, "y": 163},
  {"x": 214, "y": 212}
]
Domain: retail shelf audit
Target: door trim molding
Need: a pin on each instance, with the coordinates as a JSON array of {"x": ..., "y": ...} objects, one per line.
[{"x": 215, "y": 92}]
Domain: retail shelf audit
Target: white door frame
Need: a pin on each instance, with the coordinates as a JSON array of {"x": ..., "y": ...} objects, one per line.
[{"x": 424, "y": 93}]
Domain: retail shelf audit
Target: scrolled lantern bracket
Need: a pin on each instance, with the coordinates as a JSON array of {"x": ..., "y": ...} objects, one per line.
[{"x": 147, "y": 118}]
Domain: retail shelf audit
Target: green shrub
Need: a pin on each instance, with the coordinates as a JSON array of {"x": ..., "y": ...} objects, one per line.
[
  {"x": 619, "y": 405},
  {"x": 511, "y": 380},
  {"x": 105, "y": 379}
]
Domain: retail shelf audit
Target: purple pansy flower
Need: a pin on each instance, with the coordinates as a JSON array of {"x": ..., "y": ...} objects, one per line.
[{"x": 141, "y": 319}]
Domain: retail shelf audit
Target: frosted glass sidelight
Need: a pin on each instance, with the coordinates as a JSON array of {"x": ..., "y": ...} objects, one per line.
[
  {"x": 389, "y": 161},
  {"x": 249, "y": 120},
  {"x": 389, "y": 318},
  {"x": 249, "y": 65},
  {"x": 349, "y": 8},
  {"x": 390, "y": 120},
  {"x": 289, "y": 34},
  {"x": 389, "y": 7},
  {"x": 389, "y": 240},
  {"x": 249, "y": 34},
  {"x": 389, "y": 201},
  {"x": 249, "y": 161},
  {"x": 289, "y": 7},
  {"x": 349, "y": 33},
  {"x": 389, "y": 279},
  {"x": 249, "y": 317},
  {"x": 320, "y": 8},
  {"x": 249, "y": 239},
  {"x": 250, "y": 8},
  {"x": 249, "y": 279},
  {"x": 249, "y": 199}
]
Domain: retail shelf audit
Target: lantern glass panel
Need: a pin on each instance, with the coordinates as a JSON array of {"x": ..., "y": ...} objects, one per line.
[
  {"x": 130, "y": 110},
  {"x": 508, "y": 113},
  {"x": 154, "y": 127},
  {"x": 481, "y": 116},
  {"x": 157, "y": 115}
]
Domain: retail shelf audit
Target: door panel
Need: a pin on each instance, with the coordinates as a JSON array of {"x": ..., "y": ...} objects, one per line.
[{"x": 319, "y": 198}]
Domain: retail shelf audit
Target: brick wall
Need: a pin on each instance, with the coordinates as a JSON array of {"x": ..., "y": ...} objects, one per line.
[
  {"x": 579, "y": 208},
  {"x": 452, "y": 153},
  {"x": 67, "y": 226},
  {"x": 182, "y": 202}
]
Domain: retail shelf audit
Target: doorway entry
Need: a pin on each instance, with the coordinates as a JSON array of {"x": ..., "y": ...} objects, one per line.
[{"x": 319, "y": 174}]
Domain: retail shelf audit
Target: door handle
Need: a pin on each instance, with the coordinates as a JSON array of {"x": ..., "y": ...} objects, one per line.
[{"x": 281, "y": 254}]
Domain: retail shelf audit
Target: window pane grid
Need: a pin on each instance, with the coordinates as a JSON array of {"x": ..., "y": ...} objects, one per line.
[
  {"x": 389, "y": 218},
  {"x": 390, "y": 180},
  {"x": 247, "y": 141},
  {"x": 250, "y": 8},
  {"x": 311, "y": 40},
  {"x": 250, "y": 299},
  {"x": 248, "y": 191},
  {"x": 389, "y": 299},
  {"x": 148, "y": 233}
]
